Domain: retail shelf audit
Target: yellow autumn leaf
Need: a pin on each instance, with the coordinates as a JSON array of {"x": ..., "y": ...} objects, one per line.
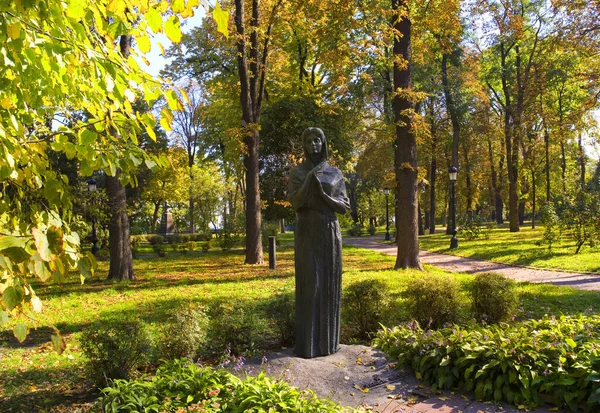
[
  {"x": 13, "y": 30},
  {"x": 143, "y": 43},
  {"x": 222, "y": 18}
]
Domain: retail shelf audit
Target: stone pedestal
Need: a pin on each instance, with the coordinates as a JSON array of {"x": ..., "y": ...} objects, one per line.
[{"x": 167, "y": 227}]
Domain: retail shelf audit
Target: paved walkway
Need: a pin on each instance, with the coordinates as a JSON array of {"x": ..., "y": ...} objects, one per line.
[{"x": 582, "y": 281}]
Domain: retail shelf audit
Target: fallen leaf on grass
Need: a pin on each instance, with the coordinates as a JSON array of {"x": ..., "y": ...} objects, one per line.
[{"x": 390, "y": 387}]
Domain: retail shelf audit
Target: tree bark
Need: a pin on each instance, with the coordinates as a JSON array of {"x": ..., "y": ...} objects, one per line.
[
  {"x": 405, "y": 148},
  {"x": 121, "y": 258},
  {"x": 432, "y": 172},
  {"x": 547, "y": 168},
  {"x": 250, "y": 99}
]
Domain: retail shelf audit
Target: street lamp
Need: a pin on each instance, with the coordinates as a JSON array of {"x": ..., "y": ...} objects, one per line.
[
  {"x": 452, "y": 173},
  {"x": 92, "y": 187},
  {"x": 386, "y": 191}
]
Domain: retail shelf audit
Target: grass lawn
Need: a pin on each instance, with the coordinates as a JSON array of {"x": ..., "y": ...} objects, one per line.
[
  {"x": 520, "y": 248},
  {"x": 34, "y": 376}
]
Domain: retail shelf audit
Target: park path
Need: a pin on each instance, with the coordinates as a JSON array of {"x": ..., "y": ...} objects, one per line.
[{"x": 582, "y": 281}]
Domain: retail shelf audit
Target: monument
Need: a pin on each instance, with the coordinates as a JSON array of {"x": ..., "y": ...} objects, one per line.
[
  {"x": 167, "y": 227},
  {"x": 317, "y": 192}
]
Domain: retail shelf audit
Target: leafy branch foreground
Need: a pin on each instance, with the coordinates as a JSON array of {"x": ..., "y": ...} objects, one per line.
[
  {"x": 552, "y": 360},
  {"x": 181, "y": 385}
]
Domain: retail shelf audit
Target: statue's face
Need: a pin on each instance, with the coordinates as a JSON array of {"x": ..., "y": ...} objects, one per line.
[{"x": 313, "y": 144}]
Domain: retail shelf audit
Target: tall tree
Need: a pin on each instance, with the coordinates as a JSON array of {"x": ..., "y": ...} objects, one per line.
[
  {"x": 121, "y": 258},
  {"x": 405, "y": 145},
  {"x": 252, "y": 71}
]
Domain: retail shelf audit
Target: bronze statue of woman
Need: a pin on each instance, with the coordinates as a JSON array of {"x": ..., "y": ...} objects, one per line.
[{"x": 317, "y": 191}]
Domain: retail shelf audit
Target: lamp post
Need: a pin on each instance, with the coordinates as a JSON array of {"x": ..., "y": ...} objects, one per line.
[
  {"x": 92, "y": 187},
  {"x": 386, "y": 191},
  {"x": 452, "y": 173}
]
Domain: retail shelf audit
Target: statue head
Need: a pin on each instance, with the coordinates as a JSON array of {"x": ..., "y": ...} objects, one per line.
[{"x": 314, "y": 144}]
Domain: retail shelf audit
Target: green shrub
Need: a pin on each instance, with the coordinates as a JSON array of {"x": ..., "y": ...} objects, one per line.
[
  {"x": 236, "y": 326},
  {"x": 281, "y": 312},
  {"x": 518, "y": 363},
  {"x": 552, "y": 225},
  {"x": 269, "y": 229},
  {"x": 205, "y": 246},
  {"x": 434, "y": 300},
  {"x": 180, "y": 386},
  {"x": 185, "y": 333},
  {"x": 228, "y": 241},
  {"x": 185, "y": 237},
  {"x": 190, "y": 246},
  {"x": 174, "y": 238},
  {"x": 115, "y": 350},
  {"x": 372, "y": 229},
  {"x": 494, "y": 297},
  {"x": 365, "y": 304},
  {"x": 155, "y": 239},
  {"x": 135, "y": 242},
  {"x": 160, "y": 250},
  {"x": 470, "y": 226},
  {"x": 355, "y": 230}
]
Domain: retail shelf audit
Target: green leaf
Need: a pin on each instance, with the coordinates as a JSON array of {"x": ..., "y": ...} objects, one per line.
[
  {"x": 20, "y": 331},
  {"x": 154, "y": 20},
  {"x": 42, "y": 245},
  {"x": 173, "y": 29},
  {"x": 58, "y": 343},
  {"x": 85, "y": 267},
  {"x": 76, "y": 9},
  {"x": 571, "y": 342},
  {"x": 189, "y": 398},
  {"x": 222, "y": 18},
  {"x": 41, "y": 270},
  {"x": 12, "y": 297},
  {"x": 87, "y": 137},
  {"x": 4, "y": 318},
  {"x": 8, "y": 241},
  {"x": 16, "y": 255}
]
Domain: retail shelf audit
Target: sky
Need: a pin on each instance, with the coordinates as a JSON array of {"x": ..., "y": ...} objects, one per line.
[{"x": 156, "y": 59}]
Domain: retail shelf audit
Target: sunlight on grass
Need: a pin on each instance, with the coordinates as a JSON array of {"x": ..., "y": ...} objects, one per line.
[
  {"x": 518, "y": 248},
  {"x": 32, "y": 371}
]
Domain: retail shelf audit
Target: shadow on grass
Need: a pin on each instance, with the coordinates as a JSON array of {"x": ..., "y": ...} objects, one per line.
[
  {"x": 154, "y": 312},
  {"x": 96, "y": 286},
  {"x": 47, "y": 388}
]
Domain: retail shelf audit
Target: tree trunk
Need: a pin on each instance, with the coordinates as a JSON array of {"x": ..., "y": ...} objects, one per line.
[
  {"x": 251, "y": 74},
  {"x": 121, "y": 259},
  {"x": 547, "y": 169},
  {"x": 405, "y": 148},
  {"x": 509, "y": 139},
  {"x": 254, "y": 250},
  {"x": 155, "y": 215},
  {"x": 533, "y": 195},
  {"x": 353, "y": 196},
  {"x": 581, "y": 159},
  {"x": 432, "y": 175},
  {"x": 467, "y": 173},
  {"x": 426, "y": 216},
  {"x": 421, "y": 228},
  {"x": 451, "y": 108}
]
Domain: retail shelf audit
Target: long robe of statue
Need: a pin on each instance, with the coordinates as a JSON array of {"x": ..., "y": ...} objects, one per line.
[{"x": 317, "y": 191}]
